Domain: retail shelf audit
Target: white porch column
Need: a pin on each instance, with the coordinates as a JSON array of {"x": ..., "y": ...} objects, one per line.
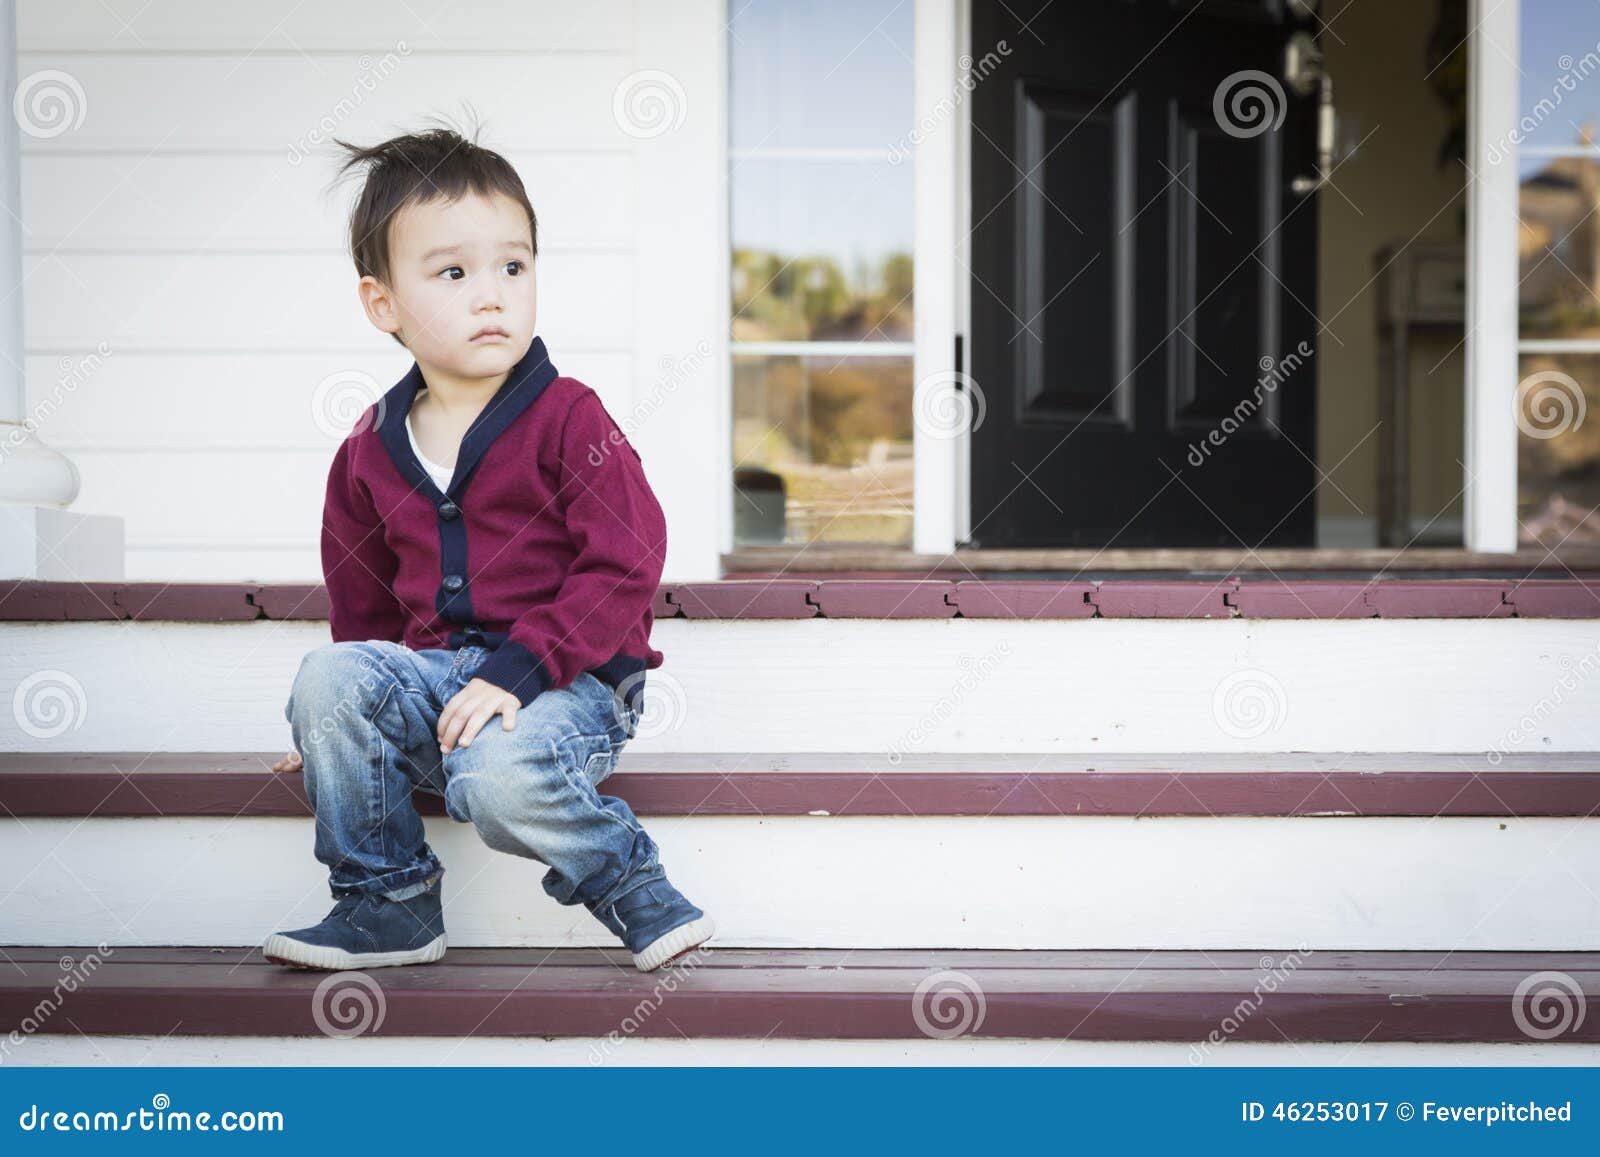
[{"x": 39, "y": 537}]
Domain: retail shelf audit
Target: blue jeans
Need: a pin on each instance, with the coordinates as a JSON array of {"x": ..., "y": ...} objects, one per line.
[{"x": 365, "y": 718}]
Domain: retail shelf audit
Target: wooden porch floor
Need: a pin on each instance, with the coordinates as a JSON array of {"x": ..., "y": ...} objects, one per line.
[{"x": 1269, "y": 995}]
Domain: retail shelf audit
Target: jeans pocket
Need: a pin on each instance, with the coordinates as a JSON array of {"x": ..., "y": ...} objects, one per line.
[
  {"x": 624, "y": 721},
  {"x": 585, "y": 758},
  {"x": 598, "y": 766}
]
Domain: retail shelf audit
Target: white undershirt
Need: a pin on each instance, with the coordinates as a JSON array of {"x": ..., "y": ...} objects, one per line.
[{"x": 441, "y": 475}]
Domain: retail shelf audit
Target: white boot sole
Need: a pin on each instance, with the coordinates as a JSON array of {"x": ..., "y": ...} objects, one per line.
[
  {"x": 282, "y": 949},
  {"x": 675, "y": 943}
]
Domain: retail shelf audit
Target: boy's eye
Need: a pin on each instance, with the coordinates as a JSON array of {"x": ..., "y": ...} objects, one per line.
[
  {"x": 514, "y": 267},
  {"x": 452, "y": 269}
]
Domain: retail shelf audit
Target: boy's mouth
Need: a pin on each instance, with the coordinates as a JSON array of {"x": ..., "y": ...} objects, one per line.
[{"x": 490, "y": 333}]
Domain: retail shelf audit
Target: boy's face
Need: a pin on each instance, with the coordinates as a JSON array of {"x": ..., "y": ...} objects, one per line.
[{"x": 458, "y": 268}]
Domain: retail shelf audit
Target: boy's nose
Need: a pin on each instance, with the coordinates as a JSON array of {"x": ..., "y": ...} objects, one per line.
[{"x": 487, "y": 294}]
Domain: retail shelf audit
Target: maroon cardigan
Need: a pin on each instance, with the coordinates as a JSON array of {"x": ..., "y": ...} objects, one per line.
[{"x": 547, "y": 548}]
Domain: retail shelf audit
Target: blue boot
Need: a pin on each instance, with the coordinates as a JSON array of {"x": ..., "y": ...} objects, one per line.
[
  {"x": 366, "y": 930},
  {"x": 656, "y": 923}
]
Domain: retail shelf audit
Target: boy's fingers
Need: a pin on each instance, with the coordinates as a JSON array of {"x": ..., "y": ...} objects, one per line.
[
  {"x": 460, "y": 712},
  {"x": 448, "y": 716},
  {"x": 468, "y": 713},
  {"x": 480, "y": 716}
]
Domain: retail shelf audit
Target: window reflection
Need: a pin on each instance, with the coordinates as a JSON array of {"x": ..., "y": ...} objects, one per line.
[
  {"x": 821, "y": 230},
  {"x": 820, "y": 74},
  {"x": 1559, "y": 71},
  {"x": 821, "y": 251},
  {"x": 1558, "y": 449},
  {"x": 1559, "y": 245},
  {"x": 822, "y": 449}
]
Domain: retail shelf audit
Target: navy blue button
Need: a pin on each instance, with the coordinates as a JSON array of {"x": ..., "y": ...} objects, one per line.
[
  {"x": 454, "y": 582},
  {"x": 449, "y": 510}
]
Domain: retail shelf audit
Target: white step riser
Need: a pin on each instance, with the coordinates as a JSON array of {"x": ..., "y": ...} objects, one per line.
[
  {"x": 184, "y": 1051},
  {"x": 917, "y": 685},
  {"x": 957, "y": 882}
]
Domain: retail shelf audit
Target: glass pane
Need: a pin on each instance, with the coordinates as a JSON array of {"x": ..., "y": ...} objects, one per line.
[
  {"x": 822, "y": 250},
  {"x": 1559, "y": 243},
  {"x": 820, "y": 74},
  {"x": 1559, "y": 62},
  {"x": 1558, "y": 449},
  {"x": 822, "y": 450}
]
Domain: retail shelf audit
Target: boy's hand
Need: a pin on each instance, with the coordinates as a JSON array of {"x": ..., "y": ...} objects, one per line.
[
  {"x": 473, "y": 706},
  {"x": 290, "y": 762}
]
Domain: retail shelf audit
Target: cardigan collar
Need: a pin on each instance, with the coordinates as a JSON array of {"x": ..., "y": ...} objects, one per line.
[{"x": 522, "y": 387}]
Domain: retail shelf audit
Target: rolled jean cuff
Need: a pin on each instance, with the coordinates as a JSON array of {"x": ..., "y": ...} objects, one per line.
[
  {"x": 413, "y": 890},
  {"x": 396, "y": 885}
]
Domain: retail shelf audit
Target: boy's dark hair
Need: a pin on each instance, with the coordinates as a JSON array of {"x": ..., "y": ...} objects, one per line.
[{"x": 417, "y": 167}]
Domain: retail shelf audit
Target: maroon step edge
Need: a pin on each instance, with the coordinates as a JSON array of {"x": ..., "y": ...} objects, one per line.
[
  {"x": 236, "y": 785},
  {"x": 814, "y": 994},
  {"x": 784, "y": 598}
]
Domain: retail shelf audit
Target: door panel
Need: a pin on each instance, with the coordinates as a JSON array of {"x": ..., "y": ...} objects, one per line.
[{"x": 1142, "y": 274}]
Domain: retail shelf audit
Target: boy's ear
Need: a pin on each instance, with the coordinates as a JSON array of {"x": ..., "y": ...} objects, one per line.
[{"x": 379, "y": 304}]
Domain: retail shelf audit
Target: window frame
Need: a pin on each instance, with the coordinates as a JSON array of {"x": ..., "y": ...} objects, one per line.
[
  {"x": 934, "y": 179},
  {"x": 1493, "y": 339},
  {"x": 796, "y": 348}
]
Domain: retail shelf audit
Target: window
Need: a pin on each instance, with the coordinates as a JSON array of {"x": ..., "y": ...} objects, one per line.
[
  {"x": 821, "y": 199},
  {"x": 1558, "y": 346}
]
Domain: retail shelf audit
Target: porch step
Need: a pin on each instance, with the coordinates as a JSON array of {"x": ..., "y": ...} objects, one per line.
[
  {"x": 1267, "y": 995},
  {"x": 954, "y": 685},
  {"x": 822, "y": 850}
]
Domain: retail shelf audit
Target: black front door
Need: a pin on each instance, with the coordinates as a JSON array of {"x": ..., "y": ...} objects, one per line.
[{"x": 1143, "y": 275}]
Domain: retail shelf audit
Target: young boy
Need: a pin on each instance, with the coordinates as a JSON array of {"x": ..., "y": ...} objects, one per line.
[{"x": 490, "y": 547}]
